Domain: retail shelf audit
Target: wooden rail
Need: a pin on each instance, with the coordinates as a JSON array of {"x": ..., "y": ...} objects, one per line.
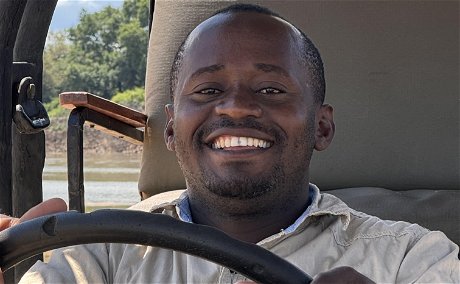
[{"x": 71, "y": 100}]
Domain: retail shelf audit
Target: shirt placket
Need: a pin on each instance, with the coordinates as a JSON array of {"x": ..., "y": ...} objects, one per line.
[{"x": 227, "y": 276}]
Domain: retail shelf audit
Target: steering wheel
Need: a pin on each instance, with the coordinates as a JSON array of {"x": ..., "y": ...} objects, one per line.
[{"x": 135, "y": 227}]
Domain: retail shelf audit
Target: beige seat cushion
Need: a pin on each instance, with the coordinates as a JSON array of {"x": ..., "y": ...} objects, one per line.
[{"x": 392, "y": 76}]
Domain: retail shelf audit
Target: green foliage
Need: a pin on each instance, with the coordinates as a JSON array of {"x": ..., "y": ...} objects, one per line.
[
  {"x": 54, "y": 110},
  {"x": 133, "y": 98},
  {"x": 133, "y": 55},
  {"x": 55, "y": 58},
  {"x": 105, "y": 54},
  {"x": 134, "y": 10}
]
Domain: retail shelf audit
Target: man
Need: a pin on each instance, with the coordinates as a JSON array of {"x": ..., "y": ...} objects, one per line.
[{"x": 248, "y": 90}]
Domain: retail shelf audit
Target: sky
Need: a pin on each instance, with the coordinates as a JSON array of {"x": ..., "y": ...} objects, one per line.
[{"x": 67, "y": 12}]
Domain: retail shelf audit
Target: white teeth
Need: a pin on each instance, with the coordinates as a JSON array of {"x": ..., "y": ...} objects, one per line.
[{"x": 233, "y": 141}]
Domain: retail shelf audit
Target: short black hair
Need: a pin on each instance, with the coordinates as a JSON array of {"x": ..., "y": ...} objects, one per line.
[{"x": 309, "y": 53}]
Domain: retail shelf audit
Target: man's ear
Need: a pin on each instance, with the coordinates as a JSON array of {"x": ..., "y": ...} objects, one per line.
[
  {"x": 169, "y": 132},
  {"x": 325, "y": 127}
]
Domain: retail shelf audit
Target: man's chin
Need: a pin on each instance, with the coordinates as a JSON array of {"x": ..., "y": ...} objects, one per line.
[
  {"x": 240, "y": 185},
  {"x": 240, "y": 190}
]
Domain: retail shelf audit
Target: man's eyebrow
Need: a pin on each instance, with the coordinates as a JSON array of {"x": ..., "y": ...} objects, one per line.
[
  {"x": 271, "y": 68},
  {"x": 207, "y": 69}
]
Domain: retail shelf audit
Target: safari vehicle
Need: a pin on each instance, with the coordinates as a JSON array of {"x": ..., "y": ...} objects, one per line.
[{"x": 392, "y": 75}]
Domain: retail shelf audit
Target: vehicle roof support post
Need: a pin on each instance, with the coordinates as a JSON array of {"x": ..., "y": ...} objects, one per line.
[
  {"x": 28, "y": 150},
  {"x": 10, "y": 18},
  {"x": 151, "y": 10}
]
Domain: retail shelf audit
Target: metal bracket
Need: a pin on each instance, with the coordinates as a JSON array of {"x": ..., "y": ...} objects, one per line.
[
  {"x": 77, "y": 119},
  {"x": 30, "y": 115},
  {"x": 19, "y": 71}
]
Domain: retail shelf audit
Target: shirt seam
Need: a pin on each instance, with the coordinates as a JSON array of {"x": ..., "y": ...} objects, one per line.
[{"x": 416, "y": 234}]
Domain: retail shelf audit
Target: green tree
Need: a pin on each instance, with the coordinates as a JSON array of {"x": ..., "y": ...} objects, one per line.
[
  {"x": 133, "y": 98},
  {"x": 105, "y": 53},
  {"x": 55, "y": 58},
  {"x": 135, "y": 11},
  {"x": 94, "y": 52},
  {"x": 132, "y": 55},
  {"x": 133, "y": 39}
]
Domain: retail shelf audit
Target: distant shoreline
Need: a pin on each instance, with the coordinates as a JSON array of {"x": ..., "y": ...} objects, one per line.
[
  {"x": 96, "y": 206},
  {"x": 94, "y": 141}
]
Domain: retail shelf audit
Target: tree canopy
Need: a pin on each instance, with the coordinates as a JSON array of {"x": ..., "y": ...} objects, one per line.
[{"x": 105, "y": 53}]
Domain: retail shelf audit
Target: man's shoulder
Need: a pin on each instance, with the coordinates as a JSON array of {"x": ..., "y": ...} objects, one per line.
[{"x": 360, "y": 225}]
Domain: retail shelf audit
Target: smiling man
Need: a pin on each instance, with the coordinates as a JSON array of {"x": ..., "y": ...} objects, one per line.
[{"x": 247, "y": 114}]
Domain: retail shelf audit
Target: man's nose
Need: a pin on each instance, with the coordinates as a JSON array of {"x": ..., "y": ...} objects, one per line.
[{"x": 239, "y": 104}]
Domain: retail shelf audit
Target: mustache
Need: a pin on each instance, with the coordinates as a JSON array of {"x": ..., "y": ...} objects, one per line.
[{"x": 248, "y": 122}]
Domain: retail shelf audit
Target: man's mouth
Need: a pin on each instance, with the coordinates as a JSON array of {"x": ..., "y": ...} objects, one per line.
[{"x": 228, "y": 142}]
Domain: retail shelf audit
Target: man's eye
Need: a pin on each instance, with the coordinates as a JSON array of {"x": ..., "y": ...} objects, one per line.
[
  {"x": 270, "y": 91},
  {"x": 209, "y": 91}
]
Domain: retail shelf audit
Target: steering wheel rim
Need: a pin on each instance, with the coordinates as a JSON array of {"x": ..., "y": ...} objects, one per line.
[{"x": 136, "y": 227}]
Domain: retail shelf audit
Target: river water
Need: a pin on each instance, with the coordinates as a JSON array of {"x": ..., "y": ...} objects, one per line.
[{"x": 110, "y": 179}]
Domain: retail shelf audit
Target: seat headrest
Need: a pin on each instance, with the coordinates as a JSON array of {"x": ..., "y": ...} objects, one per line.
[{"x": 392, "y": 76}]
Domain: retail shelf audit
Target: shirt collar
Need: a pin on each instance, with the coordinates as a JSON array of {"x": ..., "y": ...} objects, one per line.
[
  {"x": 321, "y": 204},
  {"x": 183, "y": 208}
]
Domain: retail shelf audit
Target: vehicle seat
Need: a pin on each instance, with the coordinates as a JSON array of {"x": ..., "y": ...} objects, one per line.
[{"x": 392, "y": 76}]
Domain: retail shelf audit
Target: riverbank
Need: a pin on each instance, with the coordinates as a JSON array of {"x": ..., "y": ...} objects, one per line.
[
  {"x": 94, "y": 141},
  {"x": 110, "y": 179}
]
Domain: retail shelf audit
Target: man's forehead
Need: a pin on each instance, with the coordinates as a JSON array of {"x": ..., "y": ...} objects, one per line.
[
  {"x": 241, "y": 22},
  {"x": 257, "y": 40},
  {"x": 247, "y": 41},
  {"x": 264, "y": 67},
  {"x": 247, "y": 33}
]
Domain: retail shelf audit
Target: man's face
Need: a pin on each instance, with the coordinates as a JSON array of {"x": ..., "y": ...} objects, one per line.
[{"x": 243, "y": 122}]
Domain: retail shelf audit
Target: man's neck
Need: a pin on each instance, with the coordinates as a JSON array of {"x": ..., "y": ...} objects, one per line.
[{"x": 252, "y": 227}]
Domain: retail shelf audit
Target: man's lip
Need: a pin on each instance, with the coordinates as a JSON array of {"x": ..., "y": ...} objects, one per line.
[{"x": 238, "y": 132}]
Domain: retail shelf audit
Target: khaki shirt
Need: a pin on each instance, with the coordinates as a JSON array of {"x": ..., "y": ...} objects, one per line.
[{"x": 329, "y": 235}]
